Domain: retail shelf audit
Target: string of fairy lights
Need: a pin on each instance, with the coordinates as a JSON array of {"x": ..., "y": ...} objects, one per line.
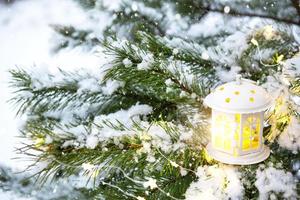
[{"x": 150, "y": 183}]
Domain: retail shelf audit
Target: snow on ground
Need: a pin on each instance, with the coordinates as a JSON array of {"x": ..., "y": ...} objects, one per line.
[{"x": 25, "y": 38}]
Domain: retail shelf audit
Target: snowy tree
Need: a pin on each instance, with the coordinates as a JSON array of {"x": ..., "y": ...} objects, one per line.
[{"x": 135, "y": 127}]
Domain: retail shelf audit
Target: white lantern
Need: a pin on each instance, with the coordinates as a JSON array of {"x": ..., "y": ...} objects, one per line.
[{"x": 237, "y": 122}]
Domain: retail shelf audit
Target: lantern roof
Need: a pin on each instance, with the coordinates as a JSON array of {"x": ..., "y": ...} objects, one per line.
[{"x": 240, "y": 96}]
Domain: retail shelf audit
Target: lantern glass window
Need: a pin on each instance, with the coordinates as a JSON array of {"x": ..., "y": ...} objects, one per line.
[
  {"x": 225, "y": 131},
  {"x": 252, "y": 132},
  {"x": 237, "y": 134}
]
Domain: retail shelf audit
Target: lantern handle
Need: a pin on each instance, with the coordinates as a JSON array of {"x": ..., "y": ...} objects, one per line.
[
  {"x": 239, "y": 80},
  {"x": 249, "y": 81}
]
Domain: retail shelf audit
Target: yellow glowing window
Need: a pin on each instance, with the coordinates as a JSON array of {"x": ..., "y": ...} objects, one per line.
[
  {"x": 255, "y": 135},
  {"x": 246, "y": 132},
  {"x": 251, "y": 132},
  {"x": 227, "y": 144},
  {"x": 235, "y": 152},
  {"x": 255, "y": 142},
  {"x": 222, "y": 136},
  {"x": 246, "y": 144},
  {"x": 218, "y": 142},
  {"x": 226, "y": 132},
  {"x": 236, "y": 137},
  {"x": 237, "y": 118}
]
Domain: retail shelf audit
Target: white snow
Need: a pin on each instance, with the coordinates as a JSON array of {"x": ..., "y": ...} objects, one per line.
[
  {"x": 213, "y": 23},
  {"x": 229, "y": 49},
  {"x": 278, "y": 84},
  {"x": 227, "y": 76},
  {"x": 146, "y": 11},
  {"x": 102, "y": 129},
  {"x": 296, "y": 100},
  {"x": 147, "y": 62},
  {"x": 89, "y": 84},
  {"x": 175, "y": 24},
  {"x": 127, "y": 62},
  {"x": 92, "y": 141},
  {"x": 292, "y": 66},
  {"x": 216, "y": 182},
  {"x": 204, "y": 55},
  {"x": 226, "y": 9},
  {"x": 270, "y": 33},
  {"x": 126, "y": 117},
  {"x": 272, "y": 85},
  {"x": 296, "y": 33},
  {"x": 151, "y": 183},
  {"x": 10, "y": 195},
  {"x": 160, "y": 139},
  {"x": 264, "y": 55},
  {"x": 168, "y": 82},
  {"x": 111, "y": 86},
  {"x": 290, "y": 137},
  {"x": 25, "y": 39},
  {"x": 183, "y": 172},
  {"x": 175, "y": 51},
  {"x": 271, "y": 180},
  {"x": 112, "y": 6}
]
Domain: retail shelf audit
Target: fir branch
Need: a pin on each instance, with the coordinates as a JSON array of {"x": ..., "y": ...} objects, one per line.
[
  {"x": 237, "y": 9},
  {"x": 56, "y": 97},
  {"x": 138, "y": 22},
  {"x": 187, "y": 52},
  {"x": 295, "y": 86},
  {"x": 72, "y": 37},
  {"x": 201, "y": 69},
  {"x": 259, "y": 68},
  {"x": 296, "y": 5},
  {"x": 64, "y": 162},
  {"x": 237, "y": 13},
  {"x": 64, "y": 96}
]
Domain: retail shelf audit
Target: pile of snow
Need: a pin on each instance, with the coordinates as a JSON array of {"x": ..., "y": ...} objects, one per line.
[
  {"x": 271, "y": 180},
  {"x": 290, "y": 137},
  {"x": 216, "y": 182},
  {"x": 114, "y": 126},
  {"x": 292, "y": 67},
  {"x": 111, "y": 86},
  {"x": 126, "y": 117},
  {"x": 147, "y": 62},
  {"x": 103, "y": 130},
  {"x": 15, "y": 186}
]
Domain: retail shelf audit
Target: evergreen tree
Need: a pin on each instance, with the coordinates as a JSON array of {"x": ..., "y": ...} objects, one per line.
[{"x": 138, "y": 128}]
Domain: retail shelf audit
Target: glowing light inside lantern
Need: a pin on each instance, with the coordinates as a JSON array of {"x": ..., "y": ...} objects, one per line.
[{"x": 228, "y": 136}]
